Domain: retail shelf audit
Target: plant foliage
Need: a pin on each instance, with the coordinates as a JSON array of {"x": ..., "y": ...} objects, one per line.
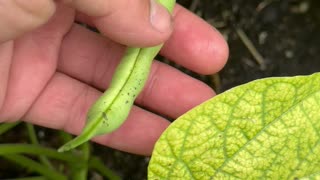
[{"x": 268, "y": 128}]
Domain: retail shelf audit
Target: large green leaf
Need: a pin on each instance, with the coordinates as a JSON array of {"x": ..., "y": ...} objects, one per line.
[{"x": 265, "y": 129}]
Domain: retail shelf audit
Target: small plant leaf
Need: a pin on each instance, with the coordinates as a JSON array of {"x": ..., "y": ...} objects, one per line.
[{"x": 266, "y": 129}]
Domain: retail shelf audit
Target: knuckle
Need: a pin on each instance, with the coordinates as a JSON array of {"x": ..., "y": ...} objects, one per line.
[
  {"x": 78, "y": 112},
  {"x": 151, "y": 85},
  {"x": 96, "y": 9},
  {"x": 32, "y": 13}
]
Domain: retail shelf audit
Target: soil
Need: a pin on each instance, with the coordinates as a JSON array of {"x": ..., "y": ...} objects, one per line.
[{"x": 285, "y": 34}]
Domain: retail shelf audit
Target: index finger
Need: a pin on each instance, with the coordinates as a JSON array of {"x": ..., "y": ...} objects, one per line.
[{"x": 193, "y": 44}]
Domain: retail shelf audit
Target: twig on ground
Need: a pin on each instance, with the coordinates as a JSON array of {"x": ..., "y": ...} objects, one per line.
[
  {"x": 194, "y": 5},
  {"x": 252, "y": 49},
  {"x": 216, "y": 82}
]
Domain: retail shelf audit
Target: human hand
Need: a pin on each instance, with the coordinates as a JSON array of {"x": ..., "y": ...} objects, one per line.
[{"x": 50, "y": 74}]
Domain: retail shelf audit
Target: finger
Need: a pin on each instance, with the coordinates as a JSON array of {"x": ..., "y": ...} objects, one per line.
[
  {"x": 34, "y": 60},
  {"x": 165, "y": 91},
  {"x": 195, "y": 44},
  {"x": 6, "y": 53},
  {"x": 170, "y": 92},
  {"x": 20, "y": 16},
  {"x": 133, "y": 23},
  {"x": 201, "y": 48},
  {"x": 65, "y": 101}
]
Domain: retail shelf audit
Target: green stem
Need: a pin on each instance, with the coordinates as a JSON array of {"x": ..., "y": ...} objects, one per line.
[
  {"x": 30, "y": 178},
  {"x": 34, "y": 140},
  {"x": 97, "y": 164},
  {"x": 7, "y": 126},
  {"x": 65, "y": 137},
  {"x": 34, "y": 166},
  {"x": 80, "y": 172},
  {"x": 6, "y": 149}
]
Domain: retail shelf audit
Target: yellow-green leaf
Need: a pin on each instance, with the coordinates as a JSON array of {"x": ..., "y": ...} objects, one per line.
[{"x": 266, "y": 129}]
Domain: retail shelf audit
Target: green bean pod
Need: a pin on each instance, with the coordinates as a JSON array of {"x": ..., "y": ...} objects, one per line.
[{"x": 110, "y": 111}]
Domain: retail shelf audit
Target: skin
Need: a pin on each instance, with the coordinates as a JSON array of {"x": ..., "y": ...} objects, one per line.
[
  {"x": 51, "y": 73},
  {"x": 110, "y": 111}
]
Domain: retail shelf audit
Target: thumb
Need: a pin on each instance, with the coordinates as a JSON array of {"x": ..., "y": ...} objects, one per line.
[
  {"x": 135, "y": 23},
  {"x": 20, "y": 16}
]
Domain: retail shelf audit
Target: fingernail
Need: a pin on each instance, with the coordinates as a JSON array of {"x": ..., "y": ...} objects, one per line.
[{"x": 160, "y": 18}]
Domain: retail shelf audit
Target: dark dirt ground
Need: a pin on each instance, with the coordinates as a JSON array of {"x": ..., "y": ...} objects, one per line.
[{"x": 284, "y": 32}]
